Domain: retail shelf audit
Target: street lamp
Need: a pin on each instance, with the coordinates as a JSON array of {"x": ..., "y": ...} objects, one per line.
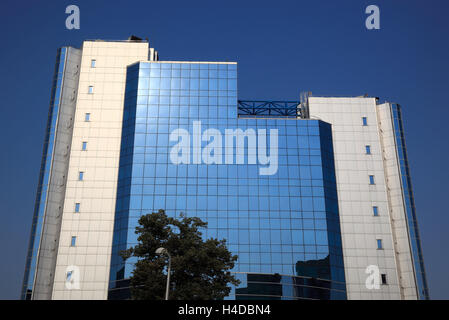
[{"x": 165, "y": 251}]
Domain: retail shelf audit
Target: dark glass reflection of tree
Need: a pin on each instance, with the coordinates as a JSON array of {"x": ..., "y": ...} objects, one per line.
[
  {"x": 313, "y": 281},
  {"x": 261, "y": 286}
]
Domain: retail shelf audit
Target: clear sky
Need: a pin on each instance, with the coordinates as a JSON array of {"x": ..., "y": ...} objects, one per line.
[{"x": 282, "y": 47}]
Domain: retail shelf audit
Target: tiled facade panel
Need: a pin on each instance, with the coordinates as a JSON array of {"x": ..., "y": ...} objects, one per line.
[
  {"x": 360, "y": 228},
  {"x": 96, "y": 193}
]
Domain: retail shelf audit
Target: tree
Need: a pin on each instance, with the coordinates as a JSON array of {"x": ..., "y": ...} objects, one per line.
[{"x": 200, "y": 269}]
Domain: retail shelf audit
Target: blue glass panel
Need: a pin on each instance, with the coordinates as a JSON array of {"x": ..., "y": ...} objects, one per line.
[
  {"x": 284, "y": 222},
  {"x": 43, "y": 183},
  {"x": 409, "y": 203}
]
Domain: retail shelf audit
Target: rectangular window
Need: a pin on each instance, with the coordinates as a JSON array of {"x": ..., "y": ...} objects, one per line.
[
  {"x": 375, "y": 211},
  {"x": 77, "y": 207},
  {"x": 87, "y": 117},
  {"x": 92, "y": 63},
  {"x": 384, "y": 278},
  {"x": 84, "y": 146},
  {"x": 73, "y": 241},
  {"x": 91, "y": 89},
  {"x": 364, "y": 121},
  {"x": 368, "y": 149},
  {"x": 81, "y": 176},
  {"x": 379, "y": 244},
  {"x": 371, "y": 179}
]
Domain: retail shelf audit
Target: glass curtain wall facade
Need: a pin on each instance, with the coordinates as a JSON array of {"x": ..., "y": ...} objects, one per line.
[
  {"x": 409, "y": 203},
  {"x": 44, "y": 175},
  {"x": 284, "y": 226}
]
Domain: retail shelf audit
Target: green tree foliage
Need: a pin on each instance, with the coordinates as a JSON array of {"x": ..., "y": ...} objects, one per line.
[{"x": 200, "y": 269}]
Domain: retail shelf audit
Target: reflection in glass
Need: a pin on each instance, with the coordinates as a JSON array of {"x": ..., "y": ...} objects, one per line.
[{"x": 284, "y": 227}]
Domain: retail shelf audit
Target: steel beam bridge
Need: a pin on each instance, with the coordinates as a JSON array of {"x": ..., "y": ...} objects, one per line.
[{"x": 269, "y": 109}]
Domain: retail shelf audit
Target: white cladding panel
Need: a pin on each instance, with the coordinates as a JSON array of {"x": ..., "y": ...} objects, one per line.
[
  {"x": 96, "y": 193},
  {"x": 357, "y": 197}
]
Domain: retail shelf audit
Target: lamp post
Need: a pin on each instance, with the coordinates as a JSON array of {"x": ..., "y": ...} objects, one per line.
[{"x": 165, "y": 251}]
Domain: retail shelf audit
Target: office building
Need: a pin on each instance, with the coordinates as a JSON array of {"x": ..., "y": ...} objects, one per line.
[{"x": 310, "y": 194}]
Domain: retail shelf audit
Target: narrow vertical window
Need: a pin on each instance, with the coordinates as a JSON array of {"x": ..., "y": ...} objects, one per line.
[
  {"x": 379, "y": 244},
  {"x": 371, "y": 179},
  {"x": 364, "y": 121},
  {"x": 84, "y": 146},
  {"x": 77, "y": 207},
  {"x": 73, "y": 241},
  {"x": 91, "y": 89},
  {"x": 81, "y": 176},
  {"x": 368, "y": 149},
  {"x": 384, "y": 278},
  {"x": 93, "y": 62},
  {"x": 375, "y": 211},
  {"x": 87, "y": 117}
]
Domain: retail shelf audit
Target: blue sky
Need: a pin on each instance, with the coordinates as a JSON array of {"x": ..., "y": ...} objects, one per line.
[{"x": 282, "y": 47}]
